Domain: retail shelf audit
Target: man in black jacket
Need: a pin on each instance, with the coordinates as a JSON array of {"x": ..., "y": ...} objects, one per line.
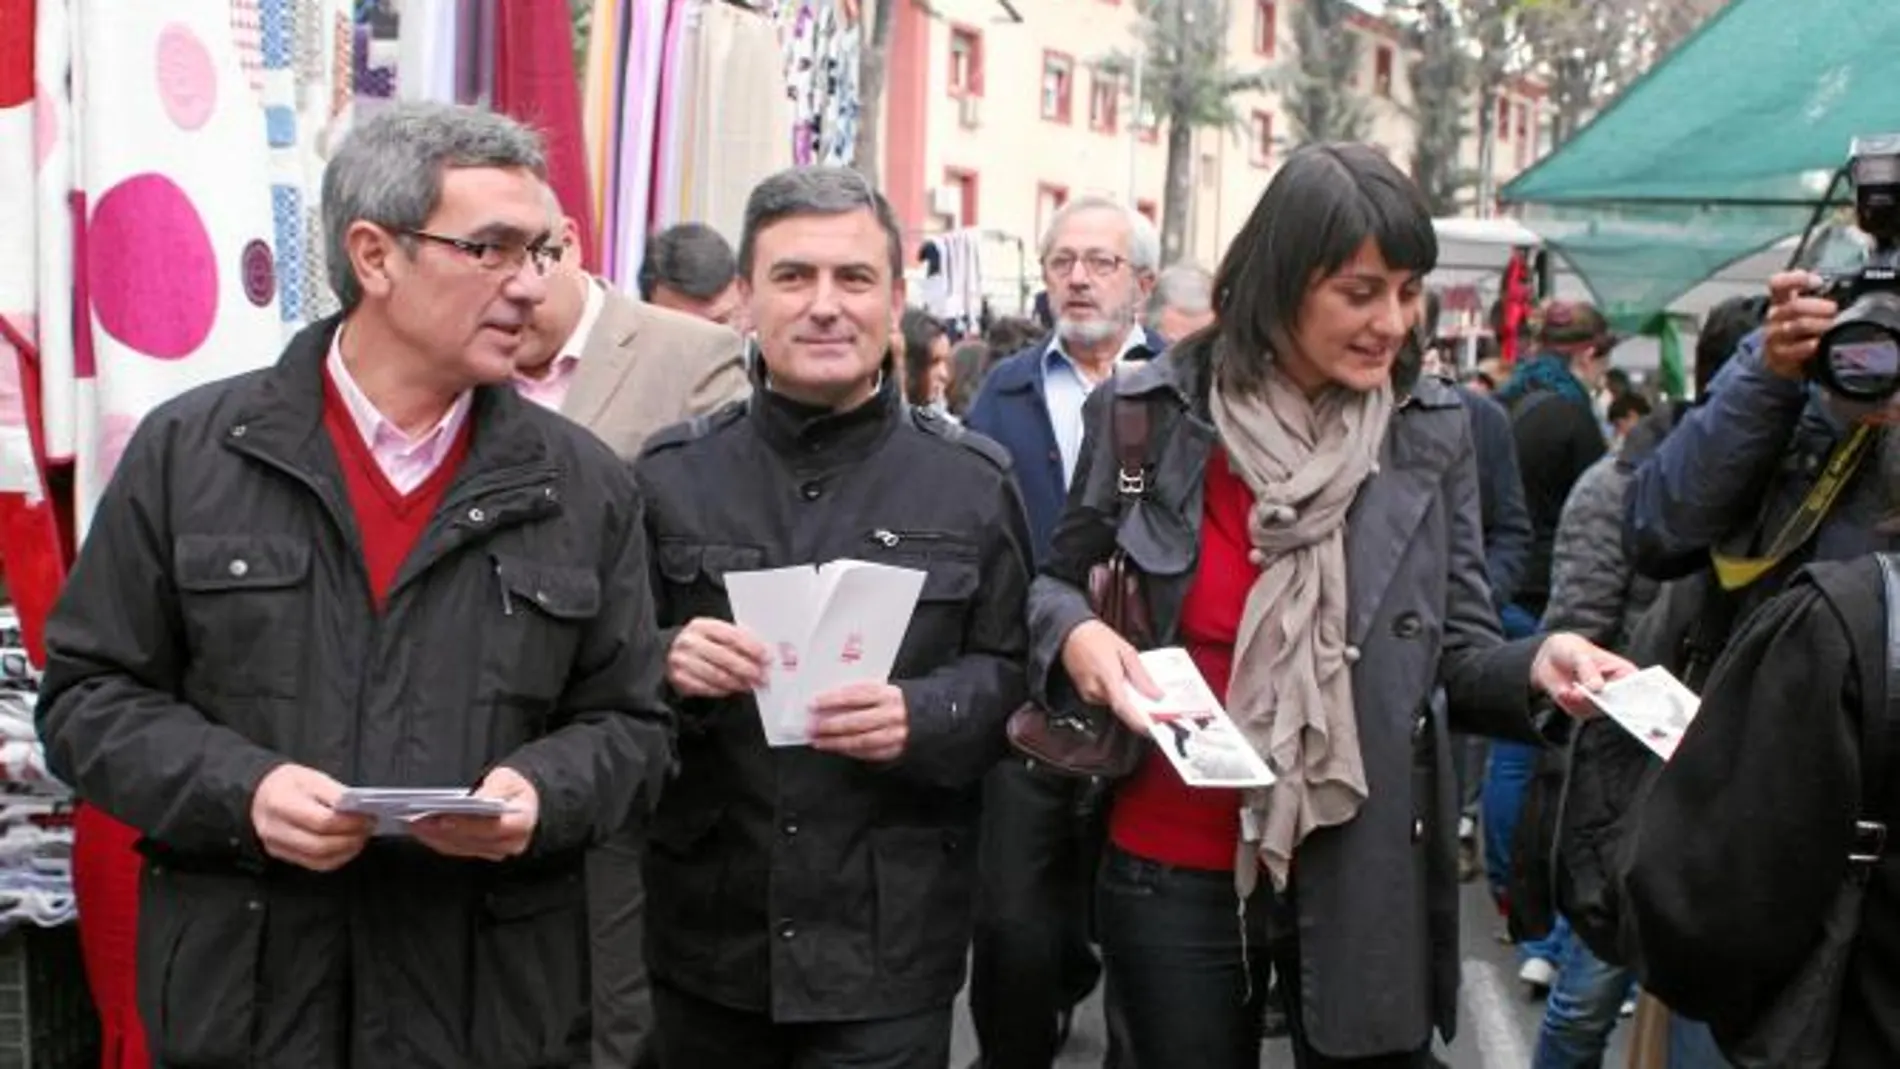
[
  {"x": 811, "y": 905},
  {"x": 373, "y": 565}
]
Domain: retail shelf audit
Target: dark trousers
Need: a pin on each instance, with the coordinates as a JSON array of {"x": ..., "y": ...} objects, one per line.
[
  {"x": 1031, "y": 958},
  {"x": 1193, "y": 973},
  {"x": 616, "y": 917},
  {"x": 695, "y": 1033}
]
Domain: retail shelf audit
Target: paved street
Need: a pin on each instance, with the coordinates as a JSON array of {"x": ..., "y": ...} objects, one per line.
[{"x": 1497, "y": 1024}]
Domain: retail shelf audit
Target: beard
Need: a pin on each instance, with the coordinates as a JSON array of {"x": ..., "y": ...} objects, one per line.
[{"x": 1113, "y": 325}]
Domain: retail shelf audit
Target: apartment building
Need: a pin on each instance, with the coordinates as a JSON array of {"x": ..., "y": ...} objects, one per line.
[{"x": 997, "y": 113}]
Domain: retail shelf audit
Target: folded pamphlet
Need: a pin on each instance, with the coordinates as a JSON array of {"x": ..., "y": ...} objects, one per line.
[
  {"x": 1192, "y": 729},
  {"x": 1653, "y": 706},
  {"x": 825, "y": 627}
]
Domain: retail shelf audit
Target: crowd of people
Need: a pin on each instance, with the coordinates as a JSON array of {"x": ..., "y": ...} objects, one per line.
[{"x": 485, "y": 528}]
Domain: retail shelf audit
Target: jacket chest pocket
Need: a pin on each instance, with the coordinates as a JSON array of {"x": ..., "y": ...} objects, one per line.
[
  {"x": 246, "y": 603},
  {"x": 542, "y": 610},
  {"x": 694, "y": 577},
  {"x": 952, "y": 567}
]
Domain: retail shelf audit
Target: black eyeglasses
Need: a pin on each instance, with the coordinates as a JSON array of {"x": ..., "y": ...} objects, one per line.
[{"x": 504, "y": 256}]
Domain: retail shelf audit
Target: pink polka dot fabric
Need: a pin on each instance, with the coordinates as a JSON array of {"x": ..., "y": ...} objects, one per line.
[
  {"x": 187, "y": 84},
  {"x": 151, "y": 268}
]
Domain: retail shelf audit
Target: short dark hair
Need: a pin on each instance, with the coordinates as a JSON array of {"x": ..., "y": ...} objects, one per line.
[
  {"x": 1628, "y": 404},
  {"x": 816, "y": 191},
  {"x": 1326, "y": 200},
  {"x": 920, "y": 331},
  {"x": 1012, "y": 334},
  {"x": 1722, "y": 331},
  {"x": 970, "y": 362},
  {"x": 691, "y": 258}
]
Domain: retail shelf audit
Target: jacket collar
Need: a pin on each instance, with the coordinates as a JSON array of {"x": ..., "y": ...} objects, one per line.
[
  {"x": 280, "y": 414},
  {"x": 1022, "y": 373},
  {"x": 804, "y": 432}
]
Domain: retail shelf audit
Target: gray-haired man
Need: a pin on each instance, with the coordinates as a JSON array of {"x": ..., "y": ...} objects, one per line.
[
  {"x": 810, "y": 905},
  {"x": 372, "y": 564},
  {"x": 1182, "y": 303}
]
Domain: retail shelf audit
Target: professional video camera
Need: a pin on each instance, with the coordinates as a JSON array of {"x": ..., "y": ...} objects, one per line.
[{"x": 1859, "y": 356}]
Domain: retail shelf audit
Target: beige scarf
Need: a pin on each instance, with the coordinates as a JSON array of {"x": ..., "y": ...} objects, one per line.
[{"x": 1291, "y": 691}]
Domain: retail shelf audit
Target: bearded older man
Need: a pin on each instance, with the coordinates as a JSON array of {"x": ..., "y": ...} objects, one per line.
[{"x": 1032, "y": 960}]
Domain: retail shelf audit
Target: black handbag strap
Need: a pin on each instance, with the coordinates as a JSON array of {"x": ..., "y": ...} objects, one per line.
[
  {"x": 1131, "y": 428},
  {"x": 1879, "y": 733}
]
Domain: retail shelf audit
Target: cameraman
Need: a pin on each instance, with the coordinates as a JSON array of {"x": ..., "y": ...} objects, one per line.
[{"x": 1734, "y": 476}]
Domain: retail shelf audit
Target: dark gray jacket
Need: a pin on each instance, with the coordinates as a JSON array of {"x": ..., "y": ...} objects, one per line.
[
  {"x": 219, "y": 623},
  {"x": 1377, "y": 897}
]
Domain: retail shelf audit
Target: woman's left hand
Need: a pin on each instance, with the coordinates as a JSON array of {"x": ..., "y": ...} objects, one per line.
[{"x": 1571, "y": 667}]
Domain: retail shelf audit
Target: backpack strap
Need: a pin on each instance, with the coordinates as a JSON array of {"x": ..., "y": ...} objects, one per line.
[{"x": 1879, "y": 730}]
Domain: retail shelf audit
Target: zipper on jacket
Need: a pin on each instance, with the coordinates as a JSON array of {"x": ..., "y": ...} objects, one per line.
[{"x": 890, "y": 539}]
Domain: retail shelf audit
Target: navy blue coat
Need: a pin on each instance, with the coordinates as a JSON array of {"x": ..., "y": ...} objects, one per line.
[{"x": 1012, "y": 409}]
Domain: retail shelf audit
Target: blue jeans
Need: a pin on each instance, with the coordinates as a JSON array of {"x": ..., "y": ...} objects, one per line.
[{"x": 1582, "y": 1010}]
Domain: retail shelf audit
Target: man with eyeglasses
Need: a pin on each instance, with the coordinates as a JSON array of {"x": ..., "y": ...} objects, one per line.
[
  {"x": 623, "y": 368},
  {"x": 1032, "y": 959},
  {"x": 371, "y": 565}
]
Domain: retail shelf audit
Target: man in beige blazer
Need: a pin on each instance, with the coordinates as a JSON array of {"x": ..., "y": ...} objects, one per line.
[{"x": 623, "y": 369}]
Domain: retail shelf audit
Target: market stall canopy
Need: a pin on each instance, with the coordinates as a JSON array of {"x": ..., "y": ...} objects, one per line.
[{"x": 1725, "y": 147}]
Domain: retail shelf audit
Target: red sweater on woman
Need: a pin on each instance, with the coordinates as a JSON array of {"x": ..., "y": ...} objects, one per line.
[{"x": 1155, "y": 814}]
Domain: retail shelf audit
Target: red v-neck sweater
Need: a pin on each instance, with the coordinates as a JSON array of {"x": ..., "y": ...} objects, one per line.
[
  {"x": 389, "y": 521},
  {"x": 1156, "y": 815}
]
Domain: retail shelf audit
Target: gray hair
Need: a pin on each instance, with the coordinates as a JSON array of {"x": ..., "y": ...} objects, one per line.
[
  {"x": 388, "y": 171},
  {"x": 692, "y": 258},
  {"x": 1182, "y": 286},
  {"x": 1144, "y": 244},
  {"x": 826, "y": 190}
]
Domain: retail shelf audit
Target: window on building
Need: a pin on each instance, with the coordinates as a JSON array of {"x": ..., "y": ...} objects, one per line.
[
  {"x": 1049, "y": 201},
  {"x": 1148, "y": 209},
  {"x": 1382, "y": 71},
  {"x": 964, "y": 182},
  {"x": 1058, "y": 84},
  {"x": 1523, "y": 122},
  {"x": 1105, "y": 95},
  {"x": 1504, "y": 119},
  {"x": 1266, "y": 26},
  {"x": 1262, "y": 140},
  {"x": 966, "y": 62}
]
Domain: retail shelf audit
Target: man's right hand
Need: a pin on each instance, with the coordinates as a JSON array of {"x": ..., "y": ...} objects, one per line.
[
  {"x": 1796, "y": 321},
  {"x": 715, "y": 659},
  {"x": 295, "y": 819},
  {"x": 1103, "y": 666}
]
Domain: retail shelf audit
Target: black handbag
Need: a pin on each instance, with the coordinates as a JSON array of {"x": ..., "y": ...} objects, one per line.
[
  {"x": 1087, "y": 741},
  {"x": 1798, "y": 1028}
]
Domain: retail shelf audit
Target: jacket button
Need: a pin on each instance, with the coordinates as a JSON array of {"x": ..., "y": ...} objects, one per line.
[
  {"x": 790, "y": 828},
  {"x": 1408, "y": 625},
  {"x": 811, "y": 491},
  {"x": 239, "y": 569},
  {"x": 1351, "y": 655},
  {"x": 1421, "y": 726},
  {"x": 477, "y": 515},
  {"x": 254, "y": 905},
  {"x": 239, "y": 431},
  {"x": 787, "y": 930},
  {"x": 1418, "y": 830}
]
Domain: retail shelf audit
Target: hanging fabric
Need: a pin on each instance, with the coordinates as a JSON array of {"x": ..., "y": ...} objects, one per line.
[
  {"x": 640, "y": 95},
  {"x": 600, "y": 118},
  {"x": 535, "y": 83},
  {"x": 822, "y": 46},
  {"x": 176, "y": 269}
]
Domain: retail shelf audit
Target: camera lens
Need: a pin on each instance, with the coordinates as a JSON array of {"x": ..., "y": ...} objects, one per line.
[{"x": 1860, "y": 356}]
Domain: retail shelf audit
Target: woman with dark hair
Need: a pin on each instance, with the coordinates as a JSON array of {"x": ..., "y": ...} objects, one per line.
[
  {"x": 926, "y": 359},
  {"x": 1308, "y": 529}
]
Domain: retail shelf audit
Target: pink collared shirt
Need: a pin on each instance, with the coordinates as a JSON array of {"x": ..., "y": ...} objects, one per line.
[
  {"x": 405, "y": 461},
  {"x": 550, "y": 390}
]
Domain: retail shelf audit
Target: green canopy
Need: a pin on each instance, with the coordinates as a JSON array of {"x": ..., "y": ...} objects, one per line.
[{"x": 1726, "y": 146}]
